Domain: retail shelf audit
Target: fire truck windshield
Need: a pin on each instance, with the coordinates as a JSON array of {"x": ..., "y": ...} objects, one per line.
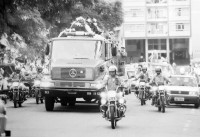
[{"x": 76, "y": 49}]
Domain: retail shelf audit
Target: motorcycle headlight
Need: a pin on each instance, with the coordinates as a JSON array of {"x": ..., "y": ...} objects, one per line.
[
  {"x": 15, "y": 84},
  {"x": 142, "y": 83},
  {"x": 103, "y": 101},
  {"x": 120, "y": 94},
  {"x": 121, "y": 101},
  {"x": 103, "y": 95},
  {"x": 111, "y": 93},
  {"x": 161, "y": 88},
  {"x": 21, "y": 84},
  {"x": 47, "y": 84},
  {"x": 37, "y": 82}
]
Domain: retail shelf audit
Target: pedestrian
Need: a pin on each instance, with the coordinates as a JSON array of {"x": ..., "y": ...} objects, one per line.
[{"x": 3, "y": 118}]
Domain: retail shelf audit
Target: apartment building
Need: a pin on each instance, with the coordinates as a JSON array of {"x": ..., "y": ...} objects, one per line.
[{"x": 161, "y": 27}]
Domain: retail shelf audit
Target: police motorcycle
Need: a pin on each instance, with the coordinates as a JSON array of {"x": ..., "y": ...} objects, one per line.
[
  {"x": 144, "y": 93},
  {"x": 160, "y": 100},
  {"x": 19, "y": 92},
  {"x": 114, "y": 105},
  {"x": 39, "y": 96}
]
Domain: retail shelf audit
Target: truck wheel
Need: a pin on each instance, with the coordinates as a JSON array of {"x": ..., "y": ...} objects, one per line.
[
  {"x": 20, "y": 104},
  {"x": 196, "y": 105},
  {"x": 71, "y": 101},
  {"x": 49, "y": 103}
]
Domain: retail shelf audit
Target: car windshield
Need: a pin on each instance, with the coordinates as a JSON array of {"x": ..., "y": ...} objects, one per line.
[
  {"x": 76, "y": 49},
  {"x": 183, "y": 81}
]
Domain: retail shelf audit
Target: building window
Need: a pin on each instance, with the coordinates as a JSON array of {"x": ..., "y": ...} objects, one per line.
[
  {"x": 157, "y": 44},
  {"x": 180, "y": 12},
  {"x": 130, "y": 42},
  {"x": 157, "y": 13},
  {"x": 134, "y": 12},
  {"x": 163, "y": 44},
  {"x": 153, "y": 44},
  {"x": 180, "y": 27},
  {"x": 157, "y": 28},
  {"x": 156, "y": 1}
]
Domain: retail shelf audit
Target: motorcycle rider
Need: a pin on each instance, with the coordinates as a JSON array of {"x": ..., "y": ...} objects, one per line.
[
  {"x": 18, "y": 75},
  {"x": 111, "y": 82},
  {"x": 158, "y": 78},
  {"x": 144, "y": 74},
  {"x": 39, "y": 74}
]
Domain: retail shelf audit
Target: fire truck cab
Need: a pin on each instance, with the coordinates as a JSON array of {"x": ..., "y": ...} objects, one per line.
[{"x": 78, "y": 63}]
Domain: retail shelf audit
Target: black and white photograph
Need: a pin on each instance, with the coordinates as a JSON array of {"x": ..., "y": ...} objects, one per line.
[{"x": 99, "y": 68}]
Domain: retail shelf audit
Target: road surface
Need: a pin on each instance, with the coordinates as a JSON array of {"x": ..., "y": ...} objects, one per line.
[{"x": 85, "y": 120}]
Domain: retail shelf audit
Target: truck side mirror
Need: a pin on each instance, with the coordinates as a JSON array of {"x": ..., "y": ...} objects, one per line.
[
  {"x": 47, "y": 49},
  {"x": 114, "y": 51}
]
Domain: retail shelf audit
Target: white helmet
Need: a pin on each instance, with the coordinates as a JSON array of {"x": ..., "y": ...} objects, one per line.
[{"x": 112, "y": 68}]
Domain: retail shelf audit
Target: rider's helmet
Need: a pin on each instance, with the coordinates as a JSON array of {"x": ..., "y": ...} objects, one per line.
[
  {"x": 18, "y": 69},
  {"x": 144, "y": 69},
  {"x": 158, "y": 70},
  {"x": 39, "y": 69},
  {"x": 140, "y": 67},
  {"x": 112, "y": 68}
]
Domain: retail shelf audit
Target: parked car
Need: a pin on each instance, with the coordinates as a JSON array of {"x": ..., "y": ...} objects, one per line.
[{"x": 183, "y": 89}]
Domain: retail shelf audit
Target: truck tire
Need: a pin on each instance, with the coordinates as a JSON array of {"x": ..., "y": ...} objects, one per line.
[
  {"x": 49, "y": 103},
  {"x": 72, "y": 101}
]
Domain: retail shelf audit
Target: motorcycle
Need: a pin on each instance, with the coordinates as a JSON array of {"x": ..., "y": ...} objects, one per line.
[
  {"x": 115, "y": 106},
  {"x": 144, "y": 93},
  {"x": 19, "y": 92},
  {"x": 39, "y": 96},
  {"x": 161, "y": 97}
]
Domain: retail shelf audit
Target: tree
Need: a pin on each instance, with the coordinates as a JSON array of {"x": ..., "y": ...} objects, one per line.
[{"x": 38, "y": 20}]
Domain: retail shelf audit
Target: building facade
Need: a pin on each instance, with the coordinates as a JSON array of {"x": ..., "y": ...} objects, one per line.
[{"x": 159, "y": 28}]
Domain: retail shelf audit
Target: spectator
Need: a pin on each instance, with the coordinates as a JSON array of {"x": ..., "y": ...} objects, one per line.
[
  {"x": 3, "y": 118},
  {"x": 141, "y": 59}
]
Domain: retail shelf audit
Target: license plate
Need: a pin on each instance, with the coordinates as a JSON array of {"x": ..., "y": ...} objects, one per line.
[
  {"x": 178, "y": 99},
  {"x": 89, "y": 93},
  {"x": 112, "y": 99},
  {"x": 72, "y": 93}
]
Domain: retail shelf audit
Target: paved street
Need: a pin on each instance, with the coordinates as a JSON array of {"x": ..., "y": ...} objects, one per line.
[{"x": 84, "y": 120}]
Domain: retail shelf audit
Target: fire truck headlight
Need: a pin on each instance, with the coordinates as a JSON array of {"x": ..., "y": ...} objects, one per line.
[
  {"x": 97, "y": 85},
  {"x": 47, "y": 84},
  {"x": 36, "y": 82},
  {"x": 15, "y": 84}
]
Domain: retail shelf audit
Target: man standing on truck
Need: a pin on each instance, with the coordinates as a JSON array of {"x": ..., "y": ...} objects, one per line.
[{"x": 121, "y": 60}]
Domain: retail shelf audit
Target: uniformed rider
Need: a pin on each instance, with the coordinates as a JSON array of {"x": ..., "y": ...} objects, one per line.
[
  {"x": 39, "y": 74},
  {"x": 18, "y": 75},
  {"x": 112, "y": 82},
  {"x": 158, "y": 78},
  {"x": 144, "y": 74}
]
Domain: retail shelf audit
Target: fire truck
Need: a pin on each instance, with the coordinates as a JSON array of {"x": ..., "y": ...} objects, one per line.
[{"x": 78, "y": 63}]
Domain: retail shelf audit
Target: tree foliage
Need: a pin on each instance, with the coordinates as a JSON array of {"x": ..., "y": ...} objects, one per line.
[{"x": 38, "y": 20}]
